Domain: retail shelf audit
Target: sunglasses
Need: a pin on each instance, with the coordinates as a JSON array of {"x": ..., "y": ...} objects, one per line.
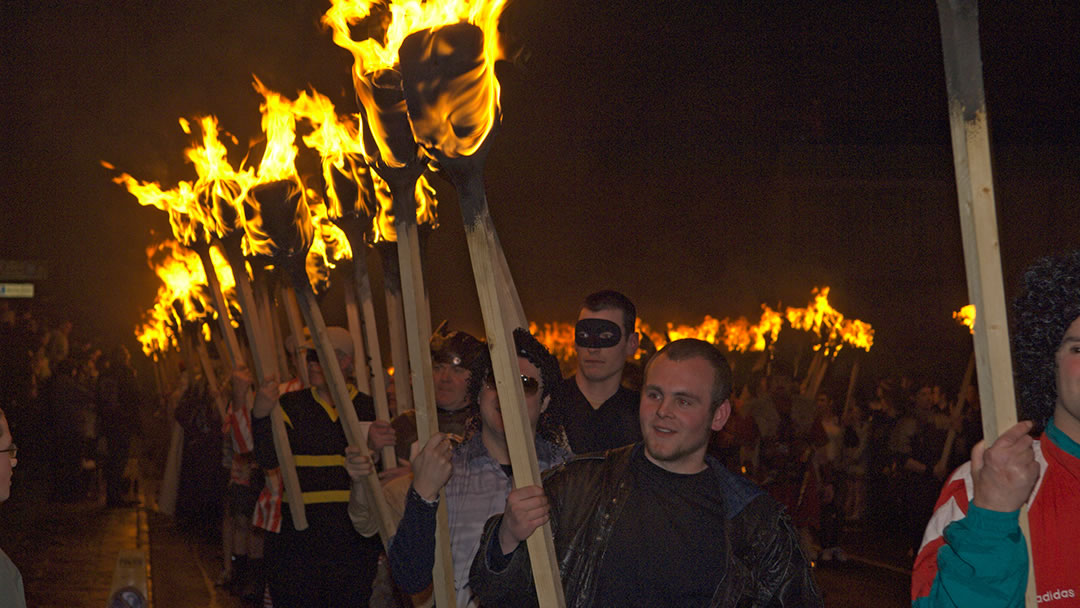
[
  {"x": 529, "y": 385},
  {"x": 312, "y": 356},
  {"x": 11, "y": 451}
]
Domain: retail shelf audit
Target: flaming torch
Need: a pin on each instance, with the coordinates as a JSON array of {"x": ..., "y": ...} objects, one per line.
[
  {"x": 278, "y": 223},
  {"x": 350, "y": 194},
  {"x": 217, "y": 195},
  {"x": 408, "y": 102},
  {"x": 448, "y": 77},
  {"x": 978, "y": 224}
]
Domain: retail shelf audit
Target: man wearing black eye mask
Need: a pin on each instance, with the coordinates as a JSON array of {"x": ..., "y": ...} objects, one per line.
[{"x": 601, "y": 413}]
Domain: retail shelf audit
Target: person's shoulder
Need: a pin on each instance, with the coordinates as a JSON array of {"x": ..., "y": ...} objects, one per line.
[
  {"x": 585, "y": 469},
  {"x": 298, "y": 396},
  {"x": 738, "y": 491},
  {"x": 628, "y": 395}
]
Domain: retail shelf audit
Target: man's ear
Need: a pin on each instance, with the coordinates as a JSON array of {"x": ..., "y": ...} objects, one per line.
[
  {"x": 544, "y": 403},
  {"x": 721, "y": 415},
  {"x": 633, "y": 341}
]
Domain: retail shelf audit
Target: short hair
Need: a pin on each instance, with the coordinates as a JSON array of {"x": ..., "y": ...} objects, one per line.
[
  {"x": 1048, "y": 304},
  {"x": 691, "y": 348},
  {"x": 609, "y": 299}
]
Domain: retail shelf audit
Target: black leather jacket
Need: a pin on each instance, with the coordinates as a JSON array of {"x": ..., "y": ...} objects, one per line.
[{"x": 765, "y": 566}]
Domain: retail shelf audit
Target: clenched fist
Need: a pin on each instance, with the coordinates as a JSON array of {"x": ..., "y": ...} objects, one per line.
[
  {"x": 527, "y": 509},
  {"x": 1005, "y": 473}
]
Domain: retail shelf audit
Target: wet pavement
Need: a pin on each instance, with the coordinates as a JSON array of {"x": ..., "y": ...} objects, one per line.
[{"x": 67, "y": 553}]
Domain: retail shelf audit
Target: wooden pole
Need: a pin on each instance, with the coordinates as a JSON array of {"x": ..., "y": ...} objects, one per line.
[
  {"x": 849, "y": 399},
  {"x": 296, "y": 327},
  {"x": 233, "y": 345},
  {"x": 499, "y": 322},
  {"x": 395, "y": 316},
  {"x": 957, "y": 411},
  {"x": 271, "y": 330},
  {"x": 263, "y": 372},
  {"x": 339, "y": 392},
  {"x": 211, "y": 378},
  {"x": 978, "y": 222},
  {"x": 367, "y": 308},
  {"x": 402, "y": 184},
  {"x": 352, "y": 316}
]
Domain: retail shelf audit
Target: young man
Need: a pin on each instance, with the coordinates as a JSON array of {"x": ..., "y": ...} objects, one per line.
[
  {"x": 656, "y": 523},
  {"x": 602, "y": 414},
  {"x": 973, "y": 552},
  {"x": 477, "y": 476},
  {"x": 329, "y": 563}
]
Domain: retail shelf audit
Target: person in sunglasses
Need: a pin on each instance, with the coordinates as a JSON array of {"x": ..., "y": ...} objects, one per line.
[
  {"x": 655, "y": 523},
  {"x": 11, "y": 584},
  {"x": 476, "y": 474}
]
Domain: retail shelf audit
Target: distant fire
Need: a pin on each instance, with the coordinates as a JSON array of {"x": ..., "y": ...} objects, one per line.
[
  {"x": 966, "y": 316},
  {"x": 735, "y": 335}
]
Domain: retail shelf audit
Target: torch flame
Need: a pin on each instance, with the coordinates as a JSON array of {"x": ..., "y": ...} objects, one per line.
[
  {"x": 459, "y": 110},
  {"x": 966, "y": 316},
  {"x": 279, "y": 124},
  {"x": 828, "y": 323}
]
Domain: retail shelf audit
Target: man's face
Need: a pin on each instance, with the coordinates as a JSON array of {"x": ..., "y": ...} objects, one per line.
[
  {"x": 1067, "y": 410},
  {"x": 451, "y": 385},
  {"x": 491, "y": 411},
  {"x": 315, "y": 371},
  {"x": 7, "y": 463},
  {"x": 676, "y": 413},
  {"x": 599, "y": 364}
]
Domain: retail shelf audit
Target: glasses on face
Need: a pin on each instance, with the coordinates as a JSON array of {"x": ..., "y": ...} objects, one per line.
[
  {"x": 11, "y": 451},
  {"x": 529, "y": 385}
]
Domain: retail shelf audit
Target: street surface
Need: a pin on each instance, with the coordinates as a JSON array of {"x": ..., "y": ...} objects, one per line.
[{"x": 67, "y": 554}]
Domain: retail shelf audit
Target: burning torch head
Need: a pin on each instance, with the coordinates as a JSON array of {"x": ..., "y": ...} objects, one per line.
[
  {"x": 278, "y": 222},
  {"x": 387, "y": 120},
  {"x": 451, "y": 95}
]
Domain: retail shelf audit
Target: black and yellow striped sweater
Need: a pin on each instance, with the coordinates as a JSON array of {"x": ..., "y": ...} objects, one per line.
[{"x": 318, "y": 444}]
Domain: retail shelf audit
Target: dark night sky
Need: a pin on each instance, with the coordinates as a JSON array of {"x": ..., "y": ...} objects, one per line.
[{"x": 641, "y": 148}]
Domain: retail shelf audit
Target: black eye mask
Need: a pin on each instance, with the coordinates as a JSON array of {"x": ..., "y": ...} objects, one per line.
[{"x": 597, "y": 333}]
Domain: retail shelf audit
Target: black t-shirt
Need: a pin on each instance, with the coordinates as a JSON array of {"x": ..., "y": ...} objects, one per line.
[
  {"x": 612, "y": 425},
  {"x": 668, "y": 546}
]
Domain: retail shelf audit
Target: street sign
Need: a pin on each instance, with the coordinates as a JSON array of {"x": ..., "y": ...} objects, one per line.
[{"x": 16, "y": 290}]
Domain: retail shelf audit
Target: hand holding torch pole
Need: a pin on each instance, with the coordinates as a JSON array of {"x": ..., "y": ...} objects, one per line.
[
  {"x": 445, "y": 74},
  {"x": 401, "y": 165},
  {"x": 353, "y": 221},
  {"x": 978, "y": 222}
]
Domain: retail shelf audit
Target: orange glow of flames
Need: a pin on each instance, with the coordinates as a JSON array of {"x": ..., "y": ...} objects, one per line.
[
  {"x": 154, "y": 334},
  {"x": 217, "y": 178},
  {"x": 828, "y": 323},
  {"x": 279, "y": 124},
  {"x": 179, "y": 202},
  {"x": 183, "y": 278},
  {"x": 966, "y": 316},
  {"x": 337, "y": 140},
  {"x": 736, "y": 335},
  {"x": 329, "y": 246},
  {"x": 458, "y": 122},
  {"x": 426, "y": 207}
]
